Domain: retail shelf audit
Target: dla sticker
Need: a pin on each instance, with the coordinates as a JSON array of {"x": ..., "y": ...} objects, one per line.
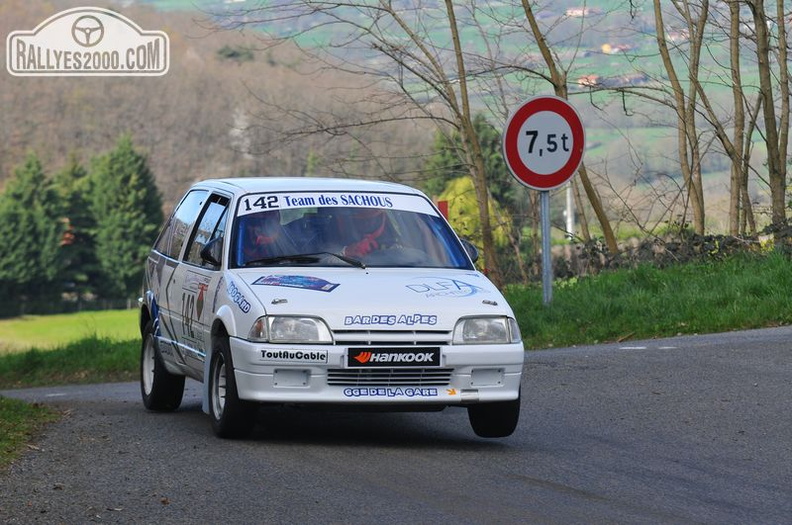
[{"x": 445, "y": 287}]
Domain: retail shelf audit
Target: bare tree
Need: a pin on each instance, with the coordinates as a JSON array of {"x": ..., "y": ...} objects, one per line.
[
  {"x": 558, "y": 79},
  {"x": 776, "y": 125},
  {"x": 743, "y": 124},
  {"x": 685, "y": 103},
  {"x": 702, "y": 28}
]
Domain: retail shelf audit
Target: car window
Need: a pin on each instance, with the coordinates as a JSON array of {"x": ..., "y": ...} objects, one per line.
[
  {"x": 211, "y": 226},
  {"x": 175, "y": 230}
]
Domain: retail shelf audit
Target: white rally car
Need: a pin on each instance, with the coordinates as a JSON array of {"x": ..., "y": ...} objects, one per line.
[{"x": 331, "y": 292}]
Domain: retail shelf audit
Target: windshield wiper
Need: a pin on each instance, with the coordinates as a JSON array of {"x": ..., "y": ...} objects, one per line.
[
  {"x": 349, "y": 260},
  {"x": 305, "y": 258}
]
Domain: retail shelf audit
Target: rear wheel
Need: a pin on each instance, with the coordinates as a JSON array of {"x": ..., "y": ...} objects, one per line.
[
  {"x": 161, "y": 390},
  {"x": 494, "y": 420},
  {"x": 231, "y": 416}
]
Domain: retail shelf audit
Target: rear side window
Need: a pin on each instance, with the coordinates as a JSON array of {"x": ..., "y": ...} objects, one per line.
[
  {"x": 211, "y": 226},
  {"x": 178, "y": 226}
]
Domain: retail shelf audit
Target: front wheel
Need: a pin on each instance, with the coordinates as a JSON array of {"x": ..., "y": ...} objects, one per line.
[
  {"x": 495, "y": 420},
  {"x": 231, "y": 416},
  {"x": 161, "y": 390}
]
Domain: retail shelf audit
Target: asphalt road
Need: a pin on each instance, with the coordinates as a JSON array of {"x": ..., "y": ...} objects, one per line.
[{"x": 681, "y": 430}]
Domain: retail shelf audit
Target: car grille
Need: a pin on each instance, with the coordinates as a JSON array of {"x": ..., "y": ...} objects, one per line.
[
  {"x": 389, "y": 377},
  {"x": 392, "y": 337}
]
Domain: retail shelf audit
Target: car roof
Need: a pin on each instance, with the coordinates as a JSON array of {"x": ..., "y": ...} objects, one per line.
[{"x": 242, "y": 185}]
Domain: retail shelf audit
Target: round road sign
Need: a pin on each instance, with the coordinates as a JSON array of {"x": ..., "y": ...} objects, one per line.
[{"x": 543, "y": 142}]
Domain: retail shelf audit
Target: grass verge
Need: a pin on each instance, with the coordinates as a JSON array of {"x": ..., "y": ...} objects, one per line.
[
  {"x": 90, "y": 360},
  {"x": 19, "y": 423},
  {"x": 643, "y": 303}
]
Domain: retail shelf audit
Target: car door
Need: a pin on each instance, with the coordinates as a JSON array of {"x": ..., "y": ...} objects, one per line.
[
  {"x": 195, "y": 283},
  {"x": 162, "y": 267}
]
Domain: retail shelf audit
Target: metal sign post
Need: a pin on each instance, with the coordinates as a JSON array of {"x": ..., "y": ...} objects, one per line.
[
  {"x": 543, "y": 147},
  {"x": 547, "y": 260}
]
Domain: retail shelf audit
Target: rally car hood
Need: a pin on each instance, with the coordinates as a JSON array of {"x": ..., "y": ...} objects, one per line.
[{"x": 376, "y": 298}]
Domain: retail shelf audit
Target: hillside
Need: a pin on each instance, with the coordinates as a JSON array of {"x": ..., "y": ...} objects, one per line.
[{"x": 206, "y": 117}]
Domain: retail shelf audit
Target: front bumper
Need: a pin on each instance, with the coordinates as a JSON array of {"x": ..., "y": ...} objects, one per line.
[{"x": 318, "y": 375}]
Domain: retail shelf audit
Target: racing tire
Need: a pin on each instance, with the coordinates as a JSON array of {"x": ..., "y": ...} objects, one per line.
[
  {"x": 231, "y": 417},
  {"x": 161, "y": 390},
  {"x": 495, "y": 420}
]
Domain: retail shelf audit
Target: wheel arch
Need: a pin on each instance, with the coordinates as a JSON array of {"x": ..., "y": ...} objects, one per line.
[
  {"x": 224, "y": 318},
  {"x": 218, "y": 331},
  {"x": 144, "y": 319},
  {"x": 148, "y": 310}
]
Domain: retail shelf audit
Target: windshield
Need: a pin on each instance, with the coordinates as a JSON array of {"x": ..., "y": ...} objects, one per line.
[{"x": 392, "y": 231}]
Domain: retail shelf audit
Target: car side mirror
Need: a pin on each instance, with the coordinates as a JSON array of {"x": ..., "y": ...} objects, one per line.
[
  {"x": 212, "y": 252},
  {"x": 471, "y": 249}
]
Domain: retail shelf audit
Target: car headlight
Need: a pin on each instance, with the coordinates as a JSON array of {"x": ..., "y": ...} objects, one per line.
[
  {"x": 486, "y": 330},
  {"x": 286, "y": 329}
]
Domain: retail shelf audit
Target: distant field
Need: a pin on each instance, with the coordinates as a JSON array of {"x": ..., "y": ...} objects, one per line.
[
  {"x": 44, "y": 332},
  {"x": 188, "y": 5}
]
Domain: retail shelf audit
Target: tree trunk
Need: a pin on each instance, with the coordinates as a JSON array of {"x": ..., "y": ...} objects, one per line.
[
  {"x": 776, "y": 166},
  {"x": 475, "y": 157},
  {"x": 686, "y": 118},
  {"x": 737, "y": 174},
  {"x": 584, "y": 228}
]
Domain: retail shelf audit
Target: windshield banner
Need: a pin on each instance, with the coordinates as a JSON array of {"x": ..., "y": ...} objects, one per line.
[{"x": 258, "y": 202}]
